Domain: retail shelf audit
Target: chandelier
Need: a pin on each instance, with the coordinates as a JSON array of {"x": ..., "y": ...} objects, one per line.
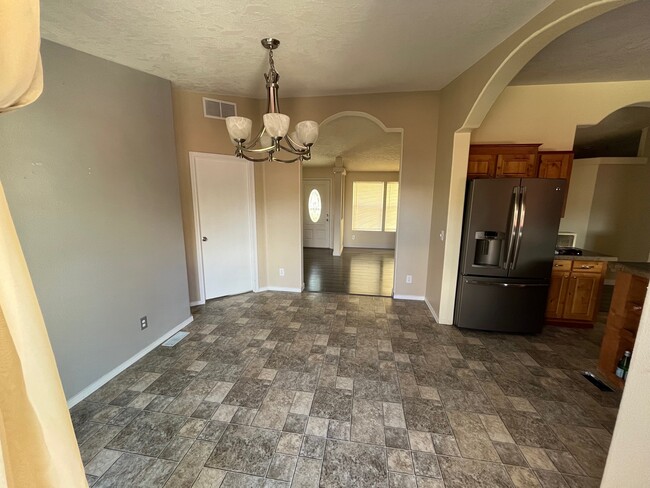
[{"x": 272, "y": 138}]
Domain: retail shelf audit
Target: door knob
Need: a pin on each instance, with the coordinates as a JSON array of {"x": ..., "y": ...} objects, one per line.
[{"x": 204, "y": 239}]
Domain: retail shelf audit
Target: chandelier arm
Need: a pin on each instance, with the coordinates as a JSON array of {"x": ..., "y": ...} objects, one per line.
[
  {"x": 294, "y": 145},
  {"x": 297, "y": 152},
  {"x": 278, "y": 160},
  {"x": 254, "y": 160},
  {"x": 259, "y": 150}
]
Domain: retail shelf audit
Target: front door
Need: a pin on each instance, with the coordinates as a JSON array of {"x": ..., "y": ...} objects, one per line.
[
  {"x": 316, "y": 213},
  {"x": 225, "y": 222}
]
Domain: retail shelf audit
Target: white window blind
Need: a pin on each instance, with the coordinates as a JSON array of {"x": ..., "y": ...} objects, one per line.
[
  {"x": 390, "y": 219},
  {"x": 367, "y": 205}
]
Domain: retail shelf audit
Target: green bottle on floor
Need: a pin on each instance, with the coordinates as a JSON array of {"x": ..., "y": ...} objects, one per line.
[{"x": 624, "y": 365}]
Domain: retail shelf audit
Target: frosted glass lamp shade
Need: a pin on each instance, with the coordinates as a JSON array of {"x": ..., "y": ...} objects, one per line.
[
  {"x": 265, "y": 140},
  {"x": 239, "y": 128},
  {"x": 277, "y": 125},
  {"x": 307, "y": 132},
  {"x": 294, "y": 139}
]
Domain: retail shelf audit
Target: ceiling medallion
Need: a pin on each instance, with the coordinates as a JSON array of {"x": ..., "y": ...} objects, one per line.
[{"x": 270, "y": 138}]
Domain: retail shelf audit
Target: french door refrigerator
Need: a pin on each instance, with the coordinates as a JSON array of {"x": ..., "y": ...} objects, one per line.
[{"x": 509, "y": 232}]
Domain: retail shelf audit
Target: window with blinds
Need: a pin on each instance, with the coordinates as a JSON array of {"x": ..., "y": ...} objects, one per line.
[
  {"x": 374, "y": 206},
  {"x": 390, "y": 219},
  {"x": 367, "y": 205}
]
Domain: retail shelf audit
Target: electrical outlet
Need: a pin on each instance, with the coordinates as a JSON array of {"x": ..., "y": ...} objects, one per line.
[
  {"x": 442, "y": 235},
  {"x": 143, "y": 323},
  {"x": 353, "y": 237},
  {"x": 281, "y": 271},
  {"x": 409, "y": 279}
]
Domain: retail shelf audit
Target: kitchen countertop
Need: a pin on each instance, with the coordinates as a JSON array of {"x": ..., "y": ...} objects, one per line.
[
  {"x": 588, "y": 256},
  {"x": 638, "y": 269}
]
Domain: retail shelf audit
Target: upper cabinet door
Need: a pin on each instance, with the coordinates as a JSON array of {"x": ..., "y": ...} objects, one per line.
[
  {"x": 556, "y": 164},
  {"x": 502, "y": 161},
  {"x": 481, "y": 166},
  {"x": 516, "y": 166}
]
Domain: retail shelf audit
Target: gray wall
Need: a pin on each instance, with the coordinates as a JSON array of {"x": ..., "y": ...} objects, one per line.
[{"x": 90, "y": 175}]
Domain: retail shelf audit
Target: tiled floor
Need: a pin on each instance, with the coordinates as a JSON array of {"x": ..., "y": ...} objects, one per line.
[{"x": 278, "y": 390}]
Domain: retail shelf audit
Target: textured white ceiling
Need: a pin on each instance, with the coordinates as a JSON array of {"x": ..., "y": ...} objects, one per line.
[
  {"x": 612, "y": 47},
  {"x": 363, "y": 145},
  {"x": 328, "y": 47}
]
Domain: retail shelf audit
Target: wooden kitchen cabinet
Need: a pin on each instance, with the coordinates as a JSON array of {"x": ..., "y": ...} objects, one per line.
[
  {"x": 558, "y": 289},
  {"x": 519, "y": 161},
  {"x": 502, "y": 161},
  {"x": 582, "y": 296},
  {"x": 574, "y": 292},
  {"x": 481, "y": 166},
  {"x": 622, "y": 323},
  {"x": 516, "y": 166},
  {"x": 556, "y": 164}
]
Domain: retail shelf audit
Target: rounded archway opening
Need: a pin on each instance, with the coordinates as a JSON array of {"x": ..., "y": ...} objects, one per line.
[{"x": 351, "y": 244}]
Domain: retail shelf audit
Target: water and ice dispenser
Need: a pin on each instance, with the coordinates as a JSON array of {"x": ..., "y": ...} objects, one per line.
[{"x": 489, "y": 246}]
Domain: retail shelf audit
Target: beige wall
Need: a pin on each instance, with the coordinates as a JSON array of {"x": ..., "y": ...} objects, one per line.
[
  {"x": 356, "y": 238},
  {"x": 278, "y": 189},
  {"x": 619, "y": 220},
  {"x": 550, "y": 114}
]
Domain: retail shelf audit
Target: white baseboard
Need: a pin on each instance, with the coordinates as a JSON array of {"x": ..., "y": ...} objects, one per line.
[
  {"x": 408, "y": 297},
  {"x": 280, "y": 288},
  {"x": 433, "y": 312},
  {"x": 198, "y": 302},
  {"x": 114, "y": 372}
]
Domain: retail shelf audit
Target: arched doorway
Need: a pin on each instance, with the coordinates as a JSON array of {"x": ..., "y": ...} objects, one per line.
[{"x": 350, "y": 197}]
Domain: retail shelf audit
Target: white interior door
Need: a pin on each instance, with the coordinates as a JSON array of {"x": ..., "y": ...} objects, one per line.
[
  {"x": 225, "y": 219},
  {"x": 316, "y": 213}
]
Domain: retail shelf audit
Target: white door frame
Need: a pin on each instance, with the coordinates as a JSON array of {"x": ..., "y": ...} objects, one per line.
[
  {"x": 329, "y": 198},
  {"x": 197, "y": 221}
]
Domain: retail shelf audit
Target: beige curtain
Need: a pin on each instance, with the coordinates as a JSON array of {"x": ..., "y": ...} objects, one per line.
[{"x": 38, "y": 447}]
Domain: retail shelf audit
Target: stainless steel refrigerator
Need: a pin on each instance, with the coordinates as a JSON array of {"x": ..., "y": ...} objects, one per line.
[{"x": 509, "y": 232}]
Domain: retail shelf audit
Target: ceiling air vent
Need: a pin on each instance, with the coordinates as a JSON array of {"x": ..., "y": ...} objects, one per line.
[{"x": 218, "y": 109}]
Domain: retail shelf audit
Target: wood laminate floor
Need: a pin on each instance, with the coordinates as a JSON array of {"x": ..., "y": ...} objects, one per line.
[{"x": 357, "y": 271}]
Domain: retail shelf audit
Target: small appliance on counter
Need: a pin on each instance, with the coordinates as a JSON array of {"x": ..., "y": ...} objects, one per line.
[
  {"x": 566, "y": 239},
  {"x": 509, "y": 238},
  {"x": 568, "y": 251}
]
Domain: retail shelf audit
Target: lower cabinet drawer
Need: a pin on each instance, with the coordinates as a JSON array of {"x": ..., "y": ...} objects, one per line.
[{"x": 589, "y": 266}]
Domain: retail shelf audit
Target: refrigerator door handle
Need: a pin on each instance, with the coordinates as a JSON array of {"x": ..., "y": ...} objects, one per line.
[
  {"x": 502, "y": 284},
  {"x": 520, "y": 228},
  {"x": 512, "y": 231}
]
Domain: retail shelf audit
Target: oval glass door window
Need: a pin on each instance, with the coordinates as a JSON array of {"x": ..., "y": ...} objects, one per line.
[{"x": 315, "y": 205}]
